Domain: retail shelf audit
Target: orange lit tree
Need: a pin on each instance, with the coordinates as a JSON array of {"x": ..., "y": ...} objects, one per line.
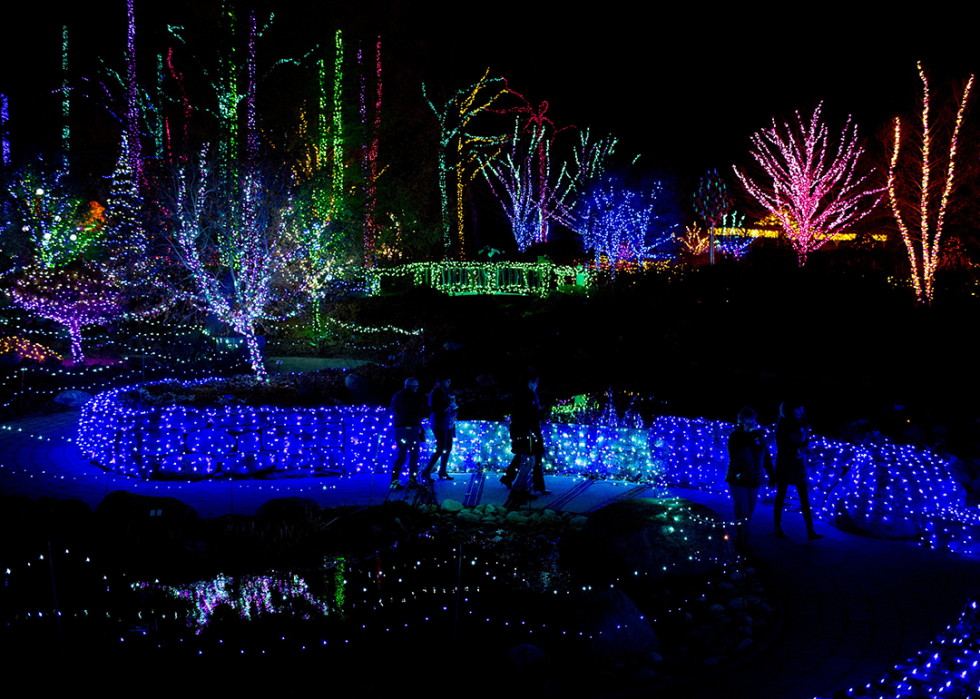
[{"x": 920, "y": 207}]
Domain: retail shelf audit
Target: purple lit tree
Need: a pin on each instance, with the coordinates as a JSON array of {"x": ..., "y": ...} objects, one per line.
[
  {"x": 75, "y": 296},
  {"x": 814, "y": 192},
  {"x": 243, "y": 256}
]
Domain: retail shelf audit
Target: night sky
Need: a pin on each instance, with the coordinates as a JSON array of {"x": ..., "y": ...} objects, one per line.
[{"x": 685, "y": 86}]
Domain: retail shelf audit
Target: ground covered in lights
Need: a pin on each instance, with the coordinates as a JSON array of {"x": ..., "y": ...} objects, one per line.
[{"x": 367, "y": 596}]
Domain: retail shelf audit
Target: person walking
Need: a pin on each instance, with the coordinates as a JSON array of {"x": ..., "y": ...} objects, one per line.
[
  {"x": 749, "y": 466},
  {"x": 407, "y": 411},
  {"x": 527, "y": 443},
  {"x": 442, "y": 405},
  {"x": 792, "y": 452}
]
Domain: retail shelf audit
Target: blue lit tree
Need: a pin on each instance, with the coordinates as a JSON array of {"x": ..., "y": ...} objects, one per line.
[{"x": 622, "y": 221}]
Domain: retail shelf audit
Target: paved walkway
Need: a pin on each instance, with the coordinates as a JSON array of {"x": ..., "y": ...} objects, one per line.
[{"x": 853, "y": 607}]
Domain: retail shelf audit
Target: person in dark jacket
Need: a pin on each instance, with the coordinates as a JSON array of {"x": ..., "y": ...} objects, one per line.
[
  {"x": 442, "y": 405},
  {"x": 407, "y": 411},
  {"x": 749, "y": 467},
  {"x": 527, "y": 443},
  {"x": 792, "y": 451}
]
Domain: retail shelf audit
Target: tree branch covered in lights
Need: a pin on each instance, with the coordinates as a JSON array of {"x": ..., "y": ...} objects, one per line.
[
  {"x": 521, "y": 180},
  {"x": 243, "y": 256},
  {"x": 815, "y": 192},
  {"x": 53, "y": 216},
  {"x": 921, "y": 222},
  {"x": 712, "y": 201},
  {"x": 616, "y": 221},
  {"x": 455, "y": 118},
  {"x": 74, "y": 296}
]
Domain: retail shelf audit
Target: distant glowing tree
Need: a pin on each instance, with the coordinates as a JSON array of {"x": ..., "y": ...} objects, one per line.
[
  {"x": 712, "y": 201},
  {"x": 617, "y": 221},
  {"x": 821, "y": 192},
  {"x": 459, "y": 148},
  {"x": 243, "y": 256},
  {"x": 735, "y": 238},
  {"x": 522, "y": 181},
  {"x": 75, "y": 296},
  {"x": 921, "y": 224}
]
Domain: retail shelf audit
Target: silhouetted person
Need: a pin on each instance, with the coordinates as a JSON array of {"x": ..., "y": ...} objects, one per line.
[
  {"x": 408, "y": 411},
  {"x": 526, "y": 442},
  {"x": 749, "y": 466},
  {"x": 442, "y": 405},
  {"x": 792, "y": 451}
]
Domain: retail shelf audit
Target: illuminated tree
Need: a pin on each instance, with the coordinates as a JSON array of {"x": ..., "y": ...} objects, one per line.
[
  {"x": 75, "y": 296},
  {"x": 618, "y": 221},
  {"x": 712, "y": 202},
  {"x": 814, "y": 192},
  {"x": 522, "y": 181},
  {"x": 52, "y": 215},
  {"x": 455, "y": 121},
  {"x": 921, "y": 224},
  {"x": 125, "y": 237},
  {"x": 239, "y": 246}
]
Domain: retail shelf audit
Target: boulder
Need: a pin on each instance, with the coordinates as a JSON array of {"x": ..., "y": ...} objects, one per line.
[
  {"x": 449, "y": 505},
  {"x": 651, "y": 538}
]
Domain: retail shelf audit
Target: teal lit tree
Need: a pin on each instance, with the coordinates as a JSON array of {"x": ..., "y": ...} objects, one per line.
[{"x": 712, "y": 202}]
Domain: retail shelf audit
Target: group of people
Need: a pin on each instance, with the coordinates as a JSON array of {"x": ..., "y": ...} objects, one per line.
[
  {"x": 524, "y": 474},
  {"x": 750, "y": 466},
  {"x": 409, "y": 411}
]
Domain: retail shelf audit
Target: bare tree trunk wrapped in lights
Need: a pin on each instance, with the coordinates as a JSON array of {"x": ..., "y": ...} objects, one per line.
[
  {"x": 922, "y": 237},
  {"x": 815, "y": 193},
  {"x": 244, "y": 255}
]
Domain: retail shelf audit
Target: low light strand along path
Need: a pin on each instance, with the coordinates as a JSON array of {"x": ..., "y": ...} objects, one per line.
[{"x": 853, "y": 607}]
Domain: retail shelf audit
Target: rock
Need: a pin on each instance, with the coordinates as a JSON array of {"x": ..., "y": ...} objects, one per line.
[
  {"x": 468, "y": 517},
  {"x": 652, "y": 658},
  {"x": 124, "y": 507},
  {"x": 653, "y": 538},
  {"x": 73, "y": 398},
  {"x": 451, "y": 505},
  {"x": 611, "y": 625},
  {"x": 287, "y": 509},
  {"x": 516, "y": 517},
  {"x": 578, "y": 522},
  {"x": 743, "y": 646}
]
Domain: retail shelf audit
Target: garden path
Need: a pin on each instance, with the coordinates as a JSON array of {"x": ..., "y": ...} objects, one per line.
[{"x": 852, "y": 607}]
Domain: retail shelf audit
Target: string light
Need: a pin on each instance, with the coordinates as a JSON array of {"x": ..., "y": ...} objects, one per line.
[
  {"x": 925, "y": 259},
  {"x": 526, "y": 278},
  {"x": 810, "y": 194}
]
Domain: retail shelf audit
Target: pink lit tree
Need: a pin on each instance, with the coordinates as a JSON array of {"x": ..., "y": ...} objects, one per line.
[
  {"x": 813, "y": 189},
  {"x": 914, "y": 204}
]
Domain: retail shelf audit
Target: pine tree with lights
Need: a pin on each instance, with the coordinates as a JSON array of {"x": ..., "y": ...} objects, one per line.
[
  {"x": 125, "y": 239},
  {"x": 814, "y": 190}
]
